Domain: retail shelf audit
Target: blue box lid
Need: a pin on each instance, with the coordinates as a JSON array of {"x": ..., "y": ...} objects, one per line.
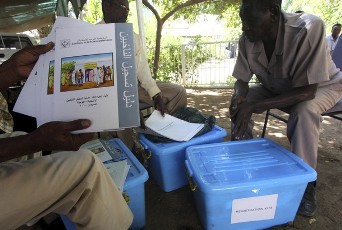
[
  {"x": 164, "y": 148},
  {"x": 241, "y": 164},
  {"x": 137, "y": 174}
]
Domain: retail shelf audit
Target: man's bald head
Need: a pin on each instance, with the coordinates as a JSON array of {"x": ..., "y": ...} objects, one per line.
[{"x": 260, "y": 19}]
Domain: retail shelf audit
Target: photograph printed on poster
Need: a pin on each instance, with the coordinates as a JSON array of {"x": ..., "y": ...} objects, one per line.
[
  {"x": 87, "y": 71},
  {"x": 51, "y": 77}
]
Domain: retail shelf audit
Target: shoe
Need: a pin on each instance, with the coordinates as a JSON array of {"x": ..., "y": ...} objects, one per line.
[{"x": 308, "y": 206}]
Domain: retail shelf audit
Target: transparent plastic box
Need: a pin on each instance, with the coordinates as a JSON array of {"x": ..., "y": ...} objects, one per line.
[
  {"x": 253, "y": 184},
  {"x": 134, "y": 188},
  {"x": 166, "y": 159}
]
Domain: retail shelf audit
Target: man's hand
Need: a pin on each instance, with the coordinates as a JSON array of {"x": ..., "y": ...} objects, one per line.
[
  {"x": 242, "y": 117},
  {"x": 159, "y": 103},
  {"x": 57, "y": 135},
  {"x": 234, "y": 103},
  {"x": 20, "y": 64}
]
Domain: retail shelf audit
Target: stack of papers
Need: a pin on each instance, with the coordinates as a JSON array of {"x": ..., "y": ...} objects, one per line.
[
  {"x": 118, "y": 170},
  {"x": 89, "y": 74},
  {"x": 172, "y": 127}
]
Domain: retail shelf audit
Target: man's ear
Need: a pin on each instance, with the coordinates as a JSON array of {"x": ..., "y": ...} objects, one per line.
[
  {"x": 275, "y": 11},
  {"x": 275, "y": 8}
]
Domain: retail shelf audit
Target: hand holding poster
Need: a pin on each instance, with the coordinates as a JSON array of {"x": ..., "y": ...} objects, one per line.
[{"x": 90, "y": 74}]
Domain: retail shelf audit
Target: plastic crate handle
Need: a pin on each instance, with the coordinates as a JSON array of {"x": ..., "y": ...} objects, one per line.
[
  {"x": 146, "y": 153},
  {"x": 143, "y": 144},
  {"x": 189, "y": 174}
]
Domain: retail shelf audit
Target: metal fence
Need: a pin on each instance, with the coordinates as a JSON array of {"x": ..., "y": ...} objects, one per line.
[{"x": 198, "y": 65}]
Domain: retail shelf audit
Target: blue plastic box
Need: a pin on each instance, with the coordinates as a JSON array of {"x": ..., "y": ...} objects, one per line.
[
  {"x": 254, "y": 184},
  {"x": 166, "y": 162},
  {"x": 134, "y": 188}
]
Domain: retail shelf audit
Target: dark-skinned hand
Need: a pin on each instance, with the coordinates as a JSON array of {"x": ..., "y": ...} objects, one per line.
[
  {"x": 236, "y": 100},
  {"x": 20, "y": 64},
  {"x": 57, "y": 135},
  {"x": 159, "y": 103},
  {"x": 241, "y": 117}
]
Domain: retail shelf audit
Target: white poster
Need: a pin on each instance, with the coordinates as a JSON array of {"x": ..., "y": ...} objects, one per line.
[{"x": 90, "y": 74}]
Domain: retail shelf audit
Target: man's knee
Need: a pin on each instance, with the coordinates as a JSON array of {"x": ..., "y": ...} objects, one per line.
[
  {"x": 181, "y": 91},
  {"x": 85, "y": 155},
  {"x": 304, "y": 109},
  {"x": 82, "y": 158}
]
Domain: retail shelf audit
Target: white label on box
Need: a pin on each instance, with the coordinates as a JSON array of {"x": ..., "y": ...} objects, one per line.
[{"x": 254, "y": 208}]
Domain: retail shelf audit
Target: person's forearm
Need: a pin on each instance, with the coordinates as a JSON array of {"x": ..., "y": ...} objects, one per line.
[
  {"x": 241, "y": 88},
  {"x": 10, "y": 148},
  {"x": 291, "y": 98},
  {"x": 6, "y": 76}
]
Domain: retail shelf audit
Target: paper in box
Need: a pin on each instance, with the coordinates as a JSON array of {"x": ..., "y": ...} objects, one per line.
[
  {"x": 253, "y": 184},
  {"x": 166, "y": 161},
  {"x": 134, "y": 187}
]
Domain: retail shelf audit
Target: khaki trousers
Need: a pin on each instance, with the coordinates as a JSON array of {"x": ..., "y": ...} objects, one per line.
[
  {"x": 75, "y": 184},
  {"x": 174, "y": 96},
  {"x": 304, "y": 121}
]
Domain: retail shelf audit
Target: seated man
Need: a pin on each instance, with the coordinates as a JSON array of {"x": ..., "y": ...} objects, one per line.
[
  {"x": 73, "y": 183},
  {"x": 289, "y": 56},
  {"x": 332, "y": 38},
  {"x": 165, "y": 97}
]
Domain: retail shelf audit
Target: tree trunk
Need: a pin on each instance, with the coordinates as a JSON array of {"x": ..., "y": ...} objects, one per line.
[{"x": 157, "y": 48}]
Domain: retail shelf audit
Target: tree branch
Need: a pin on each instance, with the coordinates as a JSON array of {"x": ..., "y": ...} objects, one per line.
[
  {"x": 182, "y": 6},
  {"x": 154, "y": 11}
]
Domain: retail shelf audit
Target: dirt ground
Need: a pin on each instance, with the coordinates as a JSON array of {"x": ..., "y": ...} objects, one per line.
[{"x": 176, "y": 210}]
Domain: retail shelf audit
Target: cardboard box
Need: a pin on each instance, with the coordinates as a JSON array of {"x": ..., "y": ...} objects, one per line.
[
  {"x": 134, "y": 188},
  {"x": 166, "y": 161},
  {"x": 253, "y": 184}
]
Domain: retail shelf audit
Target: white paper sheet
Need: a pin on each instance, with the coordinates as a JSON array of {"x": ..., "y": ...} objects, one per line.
[
  {"x": 98, "y": 148},
  {"x": 28, "y": 101},
  {"x": 254, "y": 208},
  {"x": 172, "y": 127},
  {"x": 118, "y": 170},
  {"x": 44, "y": 92}
]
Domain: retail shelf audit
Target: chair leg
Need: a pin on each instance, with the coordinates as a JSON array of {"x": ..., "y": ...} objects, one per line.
[{"x": 265, "y": 123}]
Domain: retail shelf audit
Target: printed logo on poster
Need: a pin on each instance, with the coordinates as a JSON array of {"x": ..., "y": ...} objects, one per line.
[{"x": 65, "y": 43}]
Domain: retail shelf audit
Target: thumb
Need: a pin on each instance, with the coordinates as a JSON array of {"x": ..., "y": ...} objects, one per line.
[
  {"x": 78, "y": 124},
  {"x": 42, "y": 49}
]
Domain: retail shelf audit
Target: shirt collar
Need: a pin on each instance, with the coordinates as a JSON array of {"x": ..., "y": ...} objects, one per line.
[{"x": 279, "y": 46}]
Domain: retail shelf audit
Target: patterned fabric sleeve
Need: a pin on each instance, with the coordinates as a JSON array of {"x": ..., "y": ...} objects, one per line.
[{"x": 6, "y": 120}]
